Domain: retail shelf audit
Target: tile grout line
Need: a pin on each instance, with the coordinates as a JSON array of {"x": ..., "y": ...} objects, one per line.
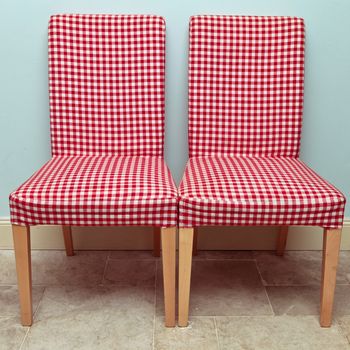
[
  {"x": 24, "y": 338},
  {"x": 291, "y": 285},
  {"x": 155, "y": 304},
  {"x": 16, "y": 285},
  {"x": 250, "y": 316},
  {"x": 301, "y": 285},
  {"x": 217, "y": 333},
  {"x": 34, "y": 314},
  {"x": 37, "y": 308},
  {"x": 222, "y": 259},
  {"x": 262, "y": 282}
]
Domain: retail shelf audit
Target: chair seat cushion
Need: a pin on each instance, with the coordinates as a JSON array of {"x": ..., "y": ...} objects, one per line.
[
  {"x": 256, "y": 191},
  {"x": 97, "y": 190}
]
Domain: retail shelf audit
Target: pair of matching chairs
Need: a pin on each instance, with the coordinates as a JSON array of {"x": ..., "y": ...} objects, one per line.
[{"x": 246, "y": 77}]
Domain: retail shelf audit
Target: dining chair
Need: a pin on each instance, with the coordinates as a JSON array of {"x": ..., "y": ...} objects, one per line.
[
  {"x": 106, "y": 87},
  {"x": 246, "y": 81}
]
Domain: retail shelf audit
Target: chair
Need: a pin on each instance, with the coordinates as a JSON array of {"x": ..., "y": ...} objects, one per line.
[
  {"x": 246, "y": 77},
  {"x": 106, "y": 81}
]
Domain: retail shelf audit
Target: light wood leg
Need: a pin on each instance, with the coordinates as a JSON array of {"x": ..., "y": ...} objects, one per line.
[
  {"x": 195, "y": 241},
  {"x": 185, "y": 265},
  {"x": 68, "y": 240},
  {"x": 169, "y": 273},
  {"x": 281, "y": 240},
  {"x": 156, "y": 241},
  {"x": 331, "y": 245},
  {"x": 21, "y": 240}
]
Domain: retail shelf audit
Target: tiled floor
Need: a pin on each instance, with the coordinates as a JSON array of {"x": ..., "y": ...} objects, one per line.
[{"x": 113, "y": 300}]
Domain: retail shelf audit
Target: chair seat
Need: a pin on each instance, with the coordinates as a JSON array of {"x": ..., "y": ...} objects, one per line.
[
  {"x": 97, "y": 190},
  {"x": 256, "y": 191}
]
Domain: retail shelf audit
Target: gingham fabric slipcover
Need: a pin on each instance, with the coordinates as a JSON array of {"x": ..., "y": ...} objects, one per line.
[
  {"x": 106, "y": 77},
  {"x": 245, "y": 85},
  {"x": 98, "y": 190},
  {"x": 246, "y": 78},
  {"x": 107, "y": 84},
  {"x": 256, "y": 191}
]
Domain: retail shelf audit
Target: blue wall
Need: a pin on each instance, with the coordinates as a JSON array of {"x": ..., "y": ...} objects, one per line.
[{"x": 24, "y": 123}]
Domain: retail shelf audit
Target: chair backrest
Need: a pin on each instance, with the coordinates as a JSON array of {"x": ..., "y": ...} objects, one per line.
[
  {"x": 246, "y": 85},
  {"x": 106, "y": 77}
]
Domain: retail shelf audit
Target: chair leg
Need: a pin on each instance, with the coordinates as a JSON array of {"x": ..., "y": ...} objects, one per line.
[
  {"x": 331, "y": 246},
  {"x": 195, "y": 241},
  {"x": 185, "y": 264},
  {"x": 21, "y": 240},
  {"x": 281, "y": 240},
  {"x": 156, "y": 241},
  {"x": 68, "y": 240},
  {"x": 169, "y": 273}
]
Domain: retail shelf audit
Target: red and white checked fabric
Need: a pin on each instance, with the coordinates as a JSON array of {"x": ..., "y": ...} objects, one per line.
[
  {"x": 97, "y": 190},
  {"x": 107, "y": 127},
  {"x": 246, "y": 77},
  {"x": 106, "y": 79},
  {"x": 256, "y": 191}
]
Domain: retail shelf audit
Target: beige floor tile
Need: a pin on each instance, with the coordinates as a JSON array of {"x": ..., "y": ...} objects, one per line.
[
  {"x": 11, "y": 333},
  {"x": 9, "y": 300},
  {"x": 199, "y": 335},
  {"x": 77, "y": 312},
  {"x": 52, "y": 267},
  {"x": 223, "y": 287},
  {"x": 224, "y": 254},
  {"x": 278, "y": 333},
  {"x": 343, "y": 273},
  {"x": 130, "y": 272},
  {"x": 55, "y": 268},
  {"x": 132, "y": 254},
  {"x": 298, "y": 268},
  {"x": 294, "y": 268},
  {"x": 305, "y": 300},
  {"x": 101, "y": 317},
  {"x": 60, "y": 300},
  {"x": 344, "y": 323},
  {"x": 7, "y": 267}
]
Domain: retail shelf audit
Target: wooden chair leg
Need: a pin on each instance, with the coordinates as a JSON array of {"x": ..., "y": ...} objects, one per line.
[
  {"x": 169, "y": 273},
  {"x": 195, "y": 241},
  {"x": 185, "y": 265},
  {"x": 331, "y": 246},
  {"x": 68, "y": 240},
  {"x": 156, "y": 241},
  {"x": 21, "y": 240},
  {"x": 281, "y": 240}
]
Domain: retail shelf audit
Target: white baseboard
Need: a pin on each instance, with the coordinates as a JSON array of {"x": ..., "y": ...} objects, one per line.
[{"x": 140, "y": 238}]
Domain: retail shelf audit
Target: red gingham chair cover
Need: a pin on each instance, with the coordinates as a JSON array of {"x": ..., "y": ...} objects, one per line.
[
  {"x": 246, "y": 78},
  {"x": 98, "y": 190},
  {"x": 245, "y": 85},
  {"x": 256, "y": 191},
  {"x": 107, "y": 127},
  {"x": 107, "y": 84}
]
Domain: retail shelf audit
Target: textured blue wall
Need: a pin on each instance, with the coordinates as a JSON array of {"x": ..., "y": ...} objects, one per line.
[{"x": 24, "y": 123}]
